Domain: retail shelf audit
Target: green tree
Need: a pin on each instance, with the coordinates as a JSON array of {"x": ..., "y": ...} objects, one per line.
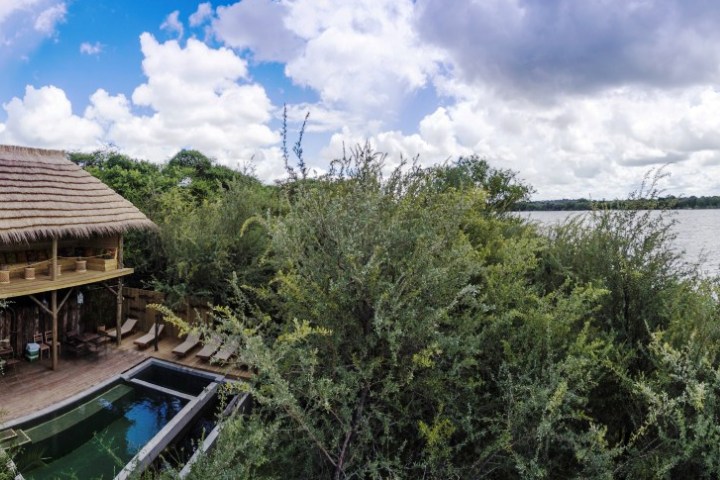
[{"x": 399, "y": 344}]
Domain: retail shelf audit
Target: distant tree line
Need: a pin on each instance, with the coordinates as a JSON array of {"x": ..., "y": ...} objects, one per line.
[{"x": 669, "y": 202}]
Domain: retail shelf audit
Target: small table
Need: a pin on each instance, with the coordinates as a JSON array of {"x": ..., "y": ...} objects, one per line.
[{"x": 93, "y": 341}]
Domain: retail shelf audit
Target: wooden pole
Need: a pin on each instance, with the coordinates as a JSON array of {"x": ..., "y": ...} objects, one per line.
[
  {"x": 120, "y": 260},
  {"x": 118, "y": 317},
  {"x": 53, "y": 264},
  {"x": 121, "y": 253},
  {"x": 54, "y": 348}
]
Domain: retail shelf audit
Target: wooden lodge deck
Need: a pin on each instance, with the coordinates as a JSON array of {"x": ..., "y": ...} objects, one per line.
[
  {"x": 43, "y": 283},
  {"x": 35, "y": 386}
]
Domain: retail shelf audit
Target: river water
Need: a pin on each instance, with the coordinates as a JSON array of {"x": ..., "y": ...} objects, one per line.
[{"x": 698, "y": 234}]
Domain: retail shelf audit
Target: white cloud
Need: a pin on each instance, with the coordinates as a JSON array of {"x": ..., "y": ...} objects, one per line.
[
  {"x": 8, "y": 7},
  {"x": 361, "y": 57},
  {"x": 540, "y": 48},
  {"x": 598, "y": 146},
  {"x": 173, "y": 25},
  {"x": 202, "y": 14},
  {"x": 49, "y": 18},
  {"x": 25, "y": 23},
  {"x": 44, "y": 118},
  {"x": 199, "y": 100},
  {"x": 198, "y": 97},
  {"x": 259, "y": 26},
  {"x": 91, "y": 48}
]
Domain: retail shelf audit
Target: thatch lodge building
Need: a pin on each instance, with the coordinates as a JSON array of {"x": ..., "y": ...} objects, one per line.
[{"x": 60, "y": 229}]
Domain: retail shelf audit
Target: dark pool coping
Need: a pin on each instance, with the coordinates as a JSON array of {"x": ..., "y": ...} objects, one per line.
[
  {"x": 238, "y": 405},
  {"x": 168, "y": 433},
  {"x": 174, "y": 427}
]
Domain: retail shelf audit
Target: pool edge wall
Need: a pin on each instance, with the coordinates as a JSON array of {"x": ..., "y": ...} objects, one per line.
[
  {"x": 168, "y": 433},
  {"x": 188, "y": 414}
]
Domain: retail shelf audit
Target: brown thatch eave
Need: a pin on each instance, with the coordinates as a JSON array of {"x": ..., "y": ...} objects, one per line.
[{"x": 45, "y": 195}]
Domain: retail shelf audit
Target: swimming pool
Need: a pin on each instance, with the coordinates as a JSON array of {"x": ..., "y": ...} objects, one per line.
[{"x": 116, "y": 428}]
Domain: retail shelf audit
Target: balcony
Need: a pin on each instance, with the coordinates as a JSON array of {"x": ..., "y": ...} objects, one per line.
[{"x": 28, "y": 270}]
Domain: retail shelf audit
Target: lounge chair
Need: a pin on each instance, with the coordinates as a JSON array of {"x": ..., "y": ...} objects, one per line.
[
  {"x": 211, "y": 346},
  {"x": 146, "y": 340},
  {"x": 127, "y": 327},
  {"x": 192, "y": 340},
  {"x": 225, "y": 352}
]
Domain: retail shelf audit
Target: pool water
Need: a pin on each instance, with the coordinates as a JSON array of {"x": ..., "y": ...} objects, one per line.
[{"x": 97, "y": 438}]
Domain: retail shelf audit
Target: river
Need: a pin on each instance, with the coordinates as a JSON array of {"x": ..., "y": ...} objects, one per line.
[{"x": 698, "y": 234}]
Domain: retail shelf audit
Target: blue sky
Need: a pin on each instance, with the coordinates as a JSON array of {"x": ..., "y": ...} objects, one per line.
[{"x": 581, "y": 98}]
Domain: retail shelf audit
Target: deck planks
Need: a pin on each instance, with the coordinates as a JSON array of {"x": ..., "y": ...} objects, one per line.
[{"x": 35, "y": 386}]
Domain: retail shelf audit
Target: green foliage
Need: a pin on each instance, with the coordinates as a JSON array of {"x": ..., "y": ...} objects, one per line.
[
  {"x": 6, "y": 473},
  {"x": 403, "y": 326},
  {"x": 200, "y": 209},
  {"x": 503, "y": 188},
  {"x": 405, "y": 338}
]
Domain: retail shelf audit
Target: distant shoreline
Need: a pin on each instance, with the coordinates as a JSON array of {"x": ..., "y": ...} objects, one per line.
[{"x": 662, "y": 203}]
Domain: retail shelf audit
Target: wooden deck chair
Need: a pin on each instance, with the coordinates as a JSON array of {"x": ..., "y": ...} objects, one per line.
[
  {"x": 225, "y": 352},
  {"x": 147, "y": 339},
  {"x": 126, "y": 328},
  {"x": 192, "y": 341},
  {"x": 44, "y": 347},
  {"x": 211, "y": 346}
]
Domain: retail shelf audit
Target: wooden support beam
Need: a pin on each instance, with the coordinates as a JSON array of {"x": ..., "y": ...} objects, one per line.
[
  {"x": 40, "y": 304},
  {"x": 109, "y": 288},
  {"x": 54, "y": 345},
  {"x": 67, "y": 295},
  {"x": 53, "y": 263}
]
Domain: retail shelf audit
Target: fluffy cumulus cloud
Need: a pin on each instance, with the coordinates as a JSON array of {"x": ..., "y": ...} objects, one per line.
[
  {"x": 198, "y": 100},
  {"x": 257, "y": 26},
  {"x": 197, "y": 97},
  {"x": 598, "y": 146},
  {"x": 360, "y": 57},
  {"x": 44, "y": 118}
]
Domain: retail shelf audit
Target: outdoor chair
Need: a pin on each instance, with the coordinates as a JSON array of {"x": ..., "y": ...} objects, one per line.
[
  {"x": 48, "y": 341},
  {"x": 147, "y": 339},
  {"x": 125, "y": 329},
  {"x": 209, "y": 349},
  {"x": 192, "y": 341},
  {"x": 225, "y": 352},
  {"x": 44, "y": 347}
]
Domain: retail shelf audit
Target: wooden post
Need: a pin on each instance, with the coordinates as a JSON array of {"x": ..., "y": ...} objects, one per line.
[
  {"x": 120, "y": 261},
  {"x": 121, "y": 254},
  {"x": 118, "y": 317},
  {"x": 54, "y": 348},
  {"x": 53, "y": 263}
]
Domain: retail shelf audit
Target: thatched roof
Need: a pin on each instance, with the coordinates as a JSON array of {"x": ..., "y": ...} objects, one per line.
[{"x": 45, "y": 195}]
